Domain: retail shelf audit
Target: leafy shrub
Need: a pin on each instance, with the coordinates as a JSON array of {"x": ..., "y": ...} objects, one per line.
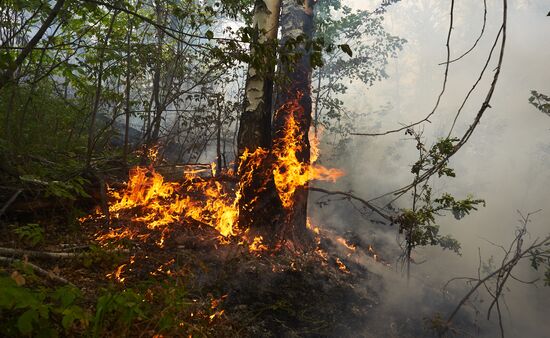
[
  {"x": 39, "y": 313},
  {"x": 32, "y": 233},
  {"x": 117, "y": 310}
]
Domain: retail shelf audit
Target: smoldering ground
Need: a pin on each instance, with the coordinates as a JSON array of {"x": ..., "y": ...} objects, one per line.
[{"x": 506, "y": 162}]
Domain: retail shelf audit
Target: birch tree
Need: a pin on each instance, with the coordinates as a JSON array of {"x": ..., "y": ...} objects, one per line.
[{"x": 257, "y": 204}]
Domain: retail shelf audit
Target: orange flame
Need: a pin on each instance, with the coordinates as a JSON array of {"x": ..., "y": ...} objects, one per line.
[
  {"x": 148, "y": 199},
  {"x": 289, "y": 172},
  {"x": 257, "y": 245},
  {"x": 341, "y": 266},
  {"x": 159, "y": 204},
  {"x": 342, "y": 241}
]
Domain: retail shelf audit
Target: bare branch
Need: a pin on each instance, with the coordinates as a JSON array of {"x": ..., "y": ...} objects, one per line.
[
  {"x": 478, "y": 38},
  {"x": 512, "y": 257},
  {"x": 348, "y": 195},
  {"x": 10, "y": 201},
  {"x": 445, "y": 76}
]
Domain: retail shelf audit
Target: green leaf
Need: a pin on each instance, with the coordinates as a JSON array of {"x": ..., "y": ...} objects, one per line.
[
  {"x": 68, "y": 319},
  {"x": 26, "y": 320},
  {"x": 346, "y": 49}
]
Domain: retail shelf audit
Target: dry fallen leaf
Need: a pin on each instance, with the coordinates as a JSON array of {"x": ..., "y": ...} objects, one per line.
[{"x": 18, "y": 278}]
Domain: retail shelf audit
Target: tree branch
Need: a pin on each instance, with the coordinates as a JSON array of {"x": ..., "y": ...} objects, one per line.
[{"x": 364, "y": 202}]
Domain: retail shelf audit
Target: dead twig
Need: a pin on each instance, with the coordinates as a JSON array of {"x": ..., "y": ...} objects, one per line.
[
  {"x": 478, "y": 38},
  {"x": 468, "y": 133}
]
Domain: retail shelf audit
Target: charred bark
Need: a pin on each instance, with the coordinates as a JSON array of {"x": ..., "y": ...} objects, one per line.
[
  {"x": 258, "y": 204},
  {"x": 296, "y": 24}
]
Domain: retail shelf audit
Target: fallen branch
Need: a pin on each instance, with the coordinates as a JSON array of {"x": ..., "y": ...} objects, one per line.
[
  {"x": 38, "y": 254},
  {"x": 37, "y": 269},
  {"x": 73, "y": 247}
]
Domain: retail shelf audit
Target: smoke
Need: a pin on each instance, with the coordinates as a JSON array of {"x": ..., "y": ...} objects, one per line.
[{"x": 506, "y": 162}]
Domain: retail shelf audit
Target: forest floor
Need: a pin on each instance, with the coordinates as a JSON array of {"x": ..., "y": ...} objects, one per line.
[
  {"x": 191, "y": 285},
  {"x": 194, "y": 286}
]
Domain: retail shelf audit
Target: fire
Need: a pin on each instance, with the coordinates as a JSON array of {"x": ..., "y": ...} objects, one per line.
[
  {"x": 342, "y": 266},
  {"x": 158, "y": 204},
  {"x": 257, "y": 245},
  {"x": 342, "y": 241},
  {"x": 311, "y": 226},
  {"x": 213, "y": 169},
  {"x": 289, "y": 172},
  {"x": 155, "y": 207},
  {"x": 117, "y": 274}
]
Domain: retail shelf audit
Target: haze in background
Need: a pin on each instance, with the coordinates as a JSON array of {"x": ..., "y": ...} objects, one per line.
[{"x": 506, "y": 161}]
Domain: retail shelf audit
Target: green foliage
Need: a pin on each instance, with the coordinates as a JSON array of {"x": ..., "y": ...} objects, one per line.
[
  {"x": 176, "y": 301},
  {"x": 541, "y": 257},
  {"x": 346, "y": 49},
  {"x": 358, "y": 48},
  {"x": 70, "y": 189},
  {"x": 99, "y": 256},
  {"x": 438, "y": 155},
  {"x": 32, "y": 233},
  {"x": 41, "y": 312},
  {"x": 419, "y": 224},
  {"x": 117, "y": 310},
  {"x": 33, "y": 122},
  {"x": 540, "y": 101}
]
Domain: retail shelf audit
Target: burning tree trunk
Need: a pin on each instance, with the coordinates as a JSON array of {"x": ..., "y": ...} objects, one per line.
[
  {"x": 294, "y": 111},
  {"x": 258, "y": 203},
  {"x": 275, "y": 164}
]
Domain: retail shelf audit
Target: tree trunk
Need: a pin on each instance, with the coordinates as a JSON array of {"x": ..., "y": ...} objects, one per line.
[
  {"x": 156, "y": 77},
  {"x": 296, "y": 20},
  {"x": 97, "y": 95},
  {"x": 127, "y": 92},
  {"x": 258, "y": 203},
  {"x": 255, "y": 122},
  {"x": 218, "y": 139},
  {"x": 7, "y": 75}
]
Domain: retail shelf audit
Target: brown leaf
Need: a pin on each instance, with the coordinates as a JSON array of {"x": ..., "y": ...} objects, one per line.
[{"x": 18, "y": 278}]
